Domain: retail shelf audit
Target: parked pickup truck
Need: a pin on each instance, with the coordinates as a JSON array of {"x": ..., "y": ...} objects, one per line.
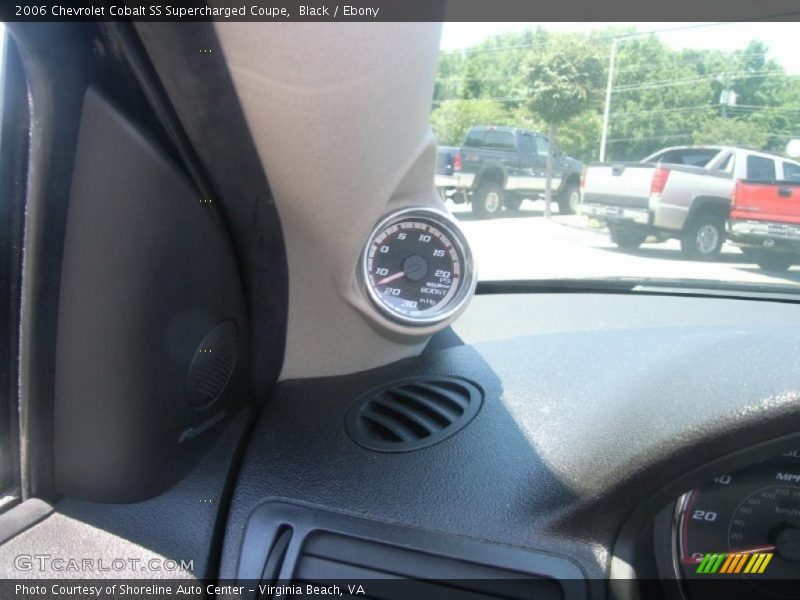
[
  {"x": 765, "y": 222},
  {"x": 499, "y": 167},
  {"x": 682, "y": 192},
  {"x": 445, "y": 168}
]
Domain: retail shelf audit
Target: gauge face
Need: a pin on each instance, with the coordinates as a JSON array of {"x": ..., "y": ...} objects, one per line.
[
  {"x": 753, "y": 514},
  {"x": 417, "y": 267}
]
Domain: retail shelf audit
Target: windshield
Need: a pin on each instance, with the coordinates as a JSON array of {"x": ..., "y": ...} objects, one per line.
[{"x": 604, "y": 151}]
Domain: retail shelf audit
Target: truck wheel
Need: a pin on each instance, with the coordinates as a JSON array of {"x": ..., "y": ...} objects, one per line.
[
  {"x": 569, "y": 199},
  {"x": 487, "y": 201},
  {"x": 703, "y": 237},
  {"x": 625, "y": 238},
  {"x": 774, "y": 261},
  {"x": 512, "y": 203}
]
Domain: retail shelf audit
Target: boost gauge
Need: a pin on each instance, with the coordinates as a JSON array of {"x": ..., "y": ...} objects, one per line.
[{"x": 417, "y": 267}]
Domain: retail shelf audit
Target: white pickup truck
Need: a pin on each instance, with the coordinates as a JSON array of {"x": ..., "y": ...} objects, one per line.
[{"x": 682, "y": 192}]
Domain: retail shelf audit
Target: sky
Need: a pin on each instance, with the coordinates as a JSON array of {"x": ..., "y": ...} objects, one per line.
[{"x": 782, "y": 38}]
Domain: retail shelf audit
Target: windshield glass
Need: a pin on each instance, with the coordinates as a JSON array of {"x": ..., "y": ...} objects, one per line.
[{"x": 605, "y": 151}]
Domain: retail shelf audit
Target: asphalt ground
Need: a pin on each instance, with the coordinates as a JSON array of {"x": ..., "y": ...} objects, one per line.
[{"x": 524, "y": 244}]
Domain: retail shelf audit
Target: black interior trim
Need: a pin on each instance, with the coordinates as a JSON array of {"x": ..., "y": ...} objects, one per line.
[
  {"x": 56, "y": 81},
  {"x": 403, "y": 551},
  {"x": 14, "y": 141},
  {"x": 129, "y": 45},
  {"x": 201, "y": 91},
  {"x": 180, "y": 524},
  {"x": 145, "y": 278},
  {"x": 630, "y": 546},
  {"x": 21, "y": 517},
  {"x": 547, "y": 464}
]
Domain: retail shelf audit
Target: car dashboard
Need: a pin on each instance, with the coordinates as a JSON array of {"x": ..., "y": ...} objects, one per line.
[
  {"x": 545, "y": 482},
  {"x": 536, "y": 488},
  {"x": 378, "y": 427}
]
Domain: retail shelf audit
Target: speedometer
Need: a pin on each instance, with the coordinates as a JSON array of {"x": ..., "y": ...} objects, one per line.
[
  {"x": 743, "y": 526},
  {"x": 417, "y": 268}
]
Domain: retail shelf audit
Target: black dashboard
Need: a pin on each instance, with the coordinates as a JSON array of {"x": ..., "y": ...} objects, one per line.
[
  {"x": 603, "y": 423},
  {"x": 546, "y": 466},
  {"x": 739, "y": 531}
]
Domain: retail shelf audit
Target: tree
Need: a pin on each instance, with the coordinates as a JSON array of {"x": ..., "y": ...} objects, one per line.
[
  {"x": 661, "y": 96},
  {"x": 452, "y": 119},
  {"x": 732, "y": 132},
  {"x": 562, "y": 82}
]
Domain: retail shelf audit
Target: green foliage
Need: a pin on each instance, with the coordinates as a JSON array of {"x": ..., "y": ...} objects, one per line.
[
  {"x": 732, "y": 132},
  {"x": 579, "y": 137},
  {"x": 662, "y": 96},
  {"x": 453, "y": 118},
  {"x": 562, "y": 82}
]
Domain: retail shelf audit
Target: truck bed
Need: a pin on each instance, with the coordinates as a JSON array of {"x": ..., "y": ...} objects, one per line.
[
  {"x": 619, "y": 184},
  {"x": 629, "y": 183},
  {"x": 778, "y": 202}
]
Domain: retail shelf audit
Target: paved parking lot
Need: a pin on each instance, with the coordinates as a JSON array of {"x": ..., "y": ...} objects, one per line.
[{"x": 525, "y": 245}]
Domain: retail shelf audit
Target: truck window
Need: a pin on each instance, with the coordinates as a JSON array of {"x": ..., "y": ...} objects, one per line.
[
  {"x": 474, "y": 138},
  {"x": 791, "y": 172},
  {"x": 726, "y": 163},
  {"x": 693, "y": 157},
  {"x": 501, "y": 140},
  {"x": 760, "y": 168},
  {"x": 525, "y": 144},
  {"x": 542, "y": 145}
]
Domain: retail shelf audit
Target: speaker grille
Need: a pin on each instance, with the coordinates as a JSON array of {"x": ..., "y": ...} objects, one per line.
[
  {"x": 212, "y": 365},
  {"x": 413, "y": 413}
]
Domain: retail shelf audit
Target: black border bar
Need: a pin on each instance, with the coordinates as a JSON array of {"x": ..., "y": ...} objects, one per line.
[{"x": 531, "y": 11}]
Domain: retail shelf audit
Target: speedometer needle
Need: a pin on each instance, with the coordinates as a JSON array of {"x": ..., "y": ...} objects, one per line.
[{"x": 391, "y": 278}]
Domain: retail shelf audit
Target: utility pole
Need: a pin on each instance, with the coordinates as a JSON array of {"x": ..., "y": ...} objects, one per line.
[
  {"x": 727, "y": 97},
  {"x": 607, "y": 109}
]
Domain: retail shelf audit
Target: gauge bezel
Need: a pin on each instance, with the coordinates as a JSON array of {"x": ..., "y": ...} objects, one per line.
[
  {"x": 676, "y": 541},
  {"x": 453, "y": 231}
]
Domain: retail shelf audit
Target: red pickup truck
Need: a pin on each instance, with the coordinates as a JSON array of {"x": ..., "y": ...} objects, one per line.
[{"x": 765, "y": 222}]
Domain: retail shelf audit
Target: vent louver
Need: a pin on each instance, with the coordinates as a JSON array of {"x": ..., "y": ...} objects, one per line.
[
  {"x": 394, "y": 573},
  {"x": 413, "y": 413}
]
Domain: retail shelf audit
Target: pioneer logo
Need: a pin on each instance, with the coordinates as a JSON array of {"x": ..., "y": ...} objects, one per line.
[{"x": 193, "y": 432}]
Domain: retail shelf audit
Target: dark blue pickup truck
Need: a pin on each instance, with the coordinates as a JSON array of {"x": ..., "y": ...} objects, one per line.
[{"x": 499, "y": 167}]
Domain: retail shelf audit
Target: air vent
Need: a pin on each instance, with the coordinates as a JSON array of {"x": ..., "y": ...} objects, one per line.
[
  {"x": 413, "y": 413},
  {"x": 395, "y": 573}
]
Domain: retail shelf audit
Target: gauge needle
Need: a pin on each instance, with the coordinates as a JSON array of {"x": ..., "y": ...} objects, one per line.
[
  {"x": 753, "y": 550},
  {"x": 391, "y": 278}
]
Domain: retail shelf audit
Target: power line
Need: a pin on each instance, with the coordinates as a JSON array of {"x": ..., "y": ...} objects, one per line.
[
  {"x": 656, "y": 84},
  {"x": 664, "y": 110},
  {"x": 785, "y": 133},
  {"x": 691, "y": 60},
  {"x": 600, "y": 38},
  {"x": 457, "y": 78},
  {"x": 775, "y": 134},
  {"x": 753, "y": 107},
  {"x": 737, "y": 75},
  {"x": 688, "y": 80},
  {"x": 520, "y": 99},
  {"x": 483, "y": 79},
  {"x": 652, "y": 137}
]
